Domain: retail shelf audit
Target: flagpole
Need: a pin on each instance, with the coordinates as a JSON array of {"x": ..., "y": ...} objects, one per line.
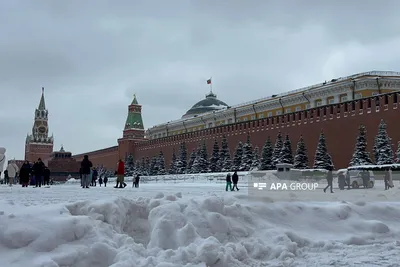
[{"x": 211, "y": 85}]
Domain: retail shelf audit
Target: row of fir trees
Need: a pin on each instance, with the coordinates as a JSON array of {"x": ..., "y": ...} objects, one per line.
[{"x": 246, "y": 158}]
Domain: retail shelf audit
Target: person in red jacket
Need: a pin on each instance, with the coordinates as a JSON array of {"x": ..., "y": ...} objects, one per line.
[{"x": 120, "y": 174}]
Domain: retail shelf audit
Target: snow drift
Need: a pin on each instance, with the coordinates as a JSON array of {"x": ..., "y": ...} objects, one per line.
[{"x": 171, "y": 230}]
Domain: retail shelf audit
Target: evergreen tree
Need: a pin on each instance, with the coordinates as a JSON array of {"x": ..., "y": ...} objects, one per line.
[
  {"x": 154, "y": 166},
  {"x": 255, "y": 165},
  {"x": 191, "y": 161},
  {"x": 361, "y": 155},
  {"x": 161, "y": 164},
  {"x": 237, "y": 158},
  {"x": 200, "y": 164},
  {"x": 225, "y": 156},
  {"x": 323, "y": 159},
  {"x": 301, "y": 158},
  {"x": 148, "y": 166},
  {"x": 398, "y": 153},
  {"x": 172, "y": 168},
  {"x": 286, "y": 155},
  {"x": 214, "y": 166},
  {"x": 129, "y": 165},
  {"x": 276, "y": 154},
  {"x": 143, "y": 170},
  {"x": 247, "y": 156},
  {"x": 383, "y": 152},
  {"x": 181, "y": 163},
  {"x": 266, "y": 156}
]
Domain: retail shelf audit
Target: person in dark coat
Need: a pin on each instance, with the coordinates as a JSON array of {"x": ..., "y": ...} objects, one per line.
[
  {"x": 137, "y": 178},
  {"x": 38, "y": 169},
  {"x": 329, "y": 179},
  {"x": 94, "y": 177},
  {"x": 365, "y": 177},
  {"x": 105, "y": 181},
  {"x": 6, "y": 177},
  {"x": 228, "y": 182},
  {"x": 46, "y": 176},
  {"x": 100, "y": 181},
  {"x": 235, "y": 180},
  {"x": 341, "y": 180},
  {"x": 86, "y": 165},
  {"x": 348, "y": 179},
  {"x": 24, "y": 174}
]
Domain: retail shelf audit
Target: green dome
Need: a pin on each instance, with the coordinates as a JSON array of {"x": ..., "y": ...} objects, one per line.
[{"x": 210, "y": 103}]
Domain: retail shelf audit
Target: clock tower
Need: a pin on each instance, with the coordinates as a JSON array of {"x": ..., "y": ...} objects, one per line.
[{"x": 39, "y": 144}]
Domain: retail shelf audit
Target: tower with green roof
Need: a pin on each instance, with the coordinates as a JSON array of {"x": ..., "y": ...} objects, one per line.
[{"x": 133, "y": 130}]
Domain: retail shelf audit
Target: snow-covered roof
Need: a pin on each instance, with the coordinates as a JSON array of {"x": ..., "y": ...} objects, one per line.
[{"x": 384, "y": 166}]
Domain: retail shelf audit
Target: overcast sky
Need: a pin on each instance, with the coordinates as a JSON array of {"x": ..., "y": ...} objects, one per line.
[{"x": 93, "y": 55}]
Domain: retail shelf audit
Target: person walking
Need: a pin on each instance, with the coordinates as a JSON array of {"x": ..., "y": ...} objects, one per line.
[
  {"x": 105, "y": 181},
  {"x": 94, "y": 176},
  {"x": 38, "y": 169},
  {"x": 24, "y": 174},
  {"x": 12, "y": 170},
  {"x": 329, "y": 179},
  {"x": 6, "y": 177},
  {"x": 235, "y": 180},
  {"x": 228, "y": 182},
  {"x": 137, "y": 178},
  {"x": 341, "y": 180},
  {"x": 100, "y": 181},
  {"x": 86, "y": 165},
  {"x": 120, "y": 174}
]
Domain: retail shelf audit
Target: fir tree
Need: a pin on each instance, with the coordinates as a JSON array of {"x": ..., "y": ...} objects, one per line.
[
  {"x": 237, "y": 158},
  {"x": 129, "y": 165},
  {"x": 154, "y": 166},
  {"x": 181, "y": 163},
  {"x": 143, "y": 169},
  {"x": 276, "y": 154},
  {"x": 266, "y": 156},
  {"x": 214, "y": 166},
  {"x": 172, "y": 167},
  {"x": 398, "y": 153},
  {"x": 361, "y": 155},
  {"x": 286, "y": 155},
  {"x": 247, "y": 156},
  {"x": 323, "y": 159},
  {"x": 161, "y": 164},
  {"x": 383, "y": 152},
  {"x": 200, "y": 164},
  {"x": 148, "y": 166},
  {"x": 255, "y": 165},
  {"x": 191, "y": 161},
  {"x": 224, "y": 156},
  {"x": 301, "y": 158}
]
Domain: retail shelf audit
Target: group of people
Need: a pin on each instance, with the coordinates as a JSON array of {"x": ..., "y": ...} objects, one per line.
[
  {"x": 89, "y": 175},
  {"x": 38, "y": 174},
  {"x": 232, "y": 180}
]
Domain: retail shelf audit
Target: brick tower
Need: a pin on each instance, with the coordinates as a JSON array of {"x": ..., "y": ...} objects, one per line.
[
  {"x": 39, "y": 144},
  {"x": 133, "y": 130}
]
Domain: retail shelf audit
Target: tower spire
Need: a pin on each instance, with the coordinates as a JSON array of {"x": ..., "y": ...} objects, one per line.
[
  {"x": 42, "y": 104},
  {"x": 134, "y": 101}
]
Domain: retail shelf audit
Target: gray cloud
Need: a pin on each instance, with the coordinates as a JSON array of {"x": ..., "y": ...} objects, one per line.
[{"x": 91, "y": 56}]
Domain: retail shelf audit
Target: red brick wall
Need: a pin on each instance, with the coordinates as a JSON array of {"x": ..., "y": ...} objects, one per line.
[
  {"x": 340, "y": 128},
  {"x": 107, "y": 157}
]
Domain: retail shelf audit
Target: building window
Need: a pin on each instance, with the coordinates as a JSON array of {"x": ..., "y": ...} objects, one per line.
[
  {"x": 318, "y": 103},
  {"x": 331, "y": 101},
  {"x": 270, "y": 114},
  {"x": 358, "y": 96},
  {"x": 288, "y": 110},
  {"x": 261, "y": 116},
  {"x": 230, "y": 121},
  {"x": 253, "y": 117},
  {"x": 245, "y": 119},
  {"x": 308, "y": 106},
  {"x": 298, "y": 108},
  {"x": 278, "y": 112},
  {"x": 343, "y": 98}
]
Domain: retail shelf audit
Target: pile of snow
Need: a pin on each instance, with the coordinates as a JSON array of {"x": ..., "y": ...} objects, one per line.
[{"x": 175, "y": 230}]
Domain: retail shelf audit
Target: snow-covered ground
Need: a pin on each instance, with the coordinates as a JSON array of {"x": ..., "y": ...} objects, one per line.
[{"x": 196, "y": 223}]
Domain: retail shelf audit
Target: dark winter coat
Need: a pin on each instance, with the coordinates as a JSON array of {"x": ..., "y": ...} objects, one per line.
[
  {"x": 24, "y": 173},
  {"x": 6, "y": 174},
  {"x": 95, "y": 174},
  {"x": 100, "y": 180},
  {"x": 341, "y": 180},
  {"x": 329, "y": 177},
  {"x": 86, "y": 165},
  {"x": 46, "y": 174},
  {"x": 105, "y": 180},
  {"x": 228, "y": 178},
  {"x": 235, "y": 178},
  {"x": 38, "y": 168},
  {"x": 137, "y": 178}
]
